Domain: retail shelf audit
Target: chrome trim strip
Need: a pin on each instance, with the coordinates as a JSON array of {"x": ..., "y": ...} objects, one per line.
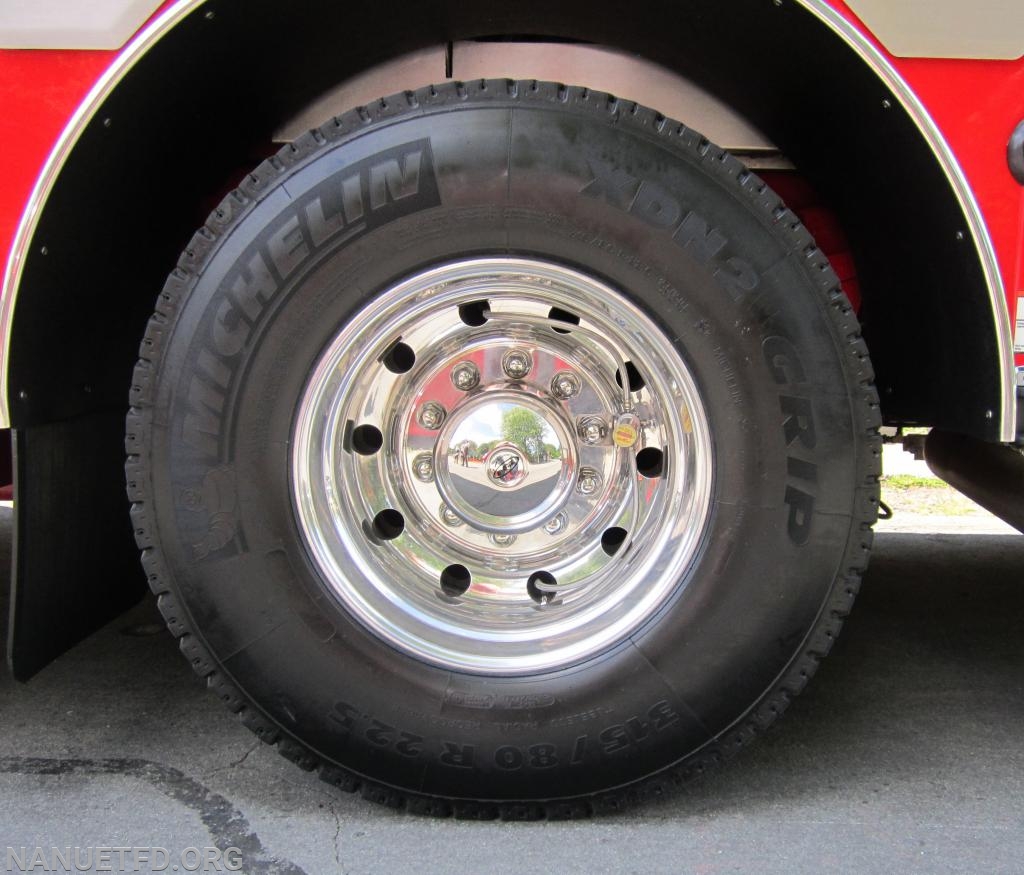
[
  {"x": 832, "y": 19},
  {"x": 55, "y": 163}
]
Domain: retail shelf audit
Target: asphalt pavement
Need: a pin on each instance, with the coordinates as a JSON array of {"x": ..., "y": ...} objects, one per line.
[{"x": 906, "y": 754}]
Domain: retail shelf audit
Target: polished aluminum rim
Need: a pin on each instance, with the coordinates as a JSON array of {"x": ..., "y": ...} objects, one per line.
[{"x": 501, "y": 466}]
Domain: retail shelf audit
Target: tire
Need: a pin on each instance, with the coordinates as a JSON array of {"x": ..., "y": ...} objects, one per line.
[{"x": 310, "y": 530}]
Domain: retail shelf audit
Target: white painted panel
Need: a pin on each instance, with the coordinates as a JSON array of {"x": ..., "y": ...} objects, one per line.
[
  {"x": 71, "y": 24},
  {"x": 983, "y": 29}
]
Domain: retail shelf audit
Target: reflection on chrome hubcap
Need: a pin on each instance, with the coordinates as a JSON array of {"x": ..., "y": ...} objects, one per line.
[
  {"x": 510, "y": 453},
  {"x": 506, "y": 466},
  {"x": 505, "y": 460}
]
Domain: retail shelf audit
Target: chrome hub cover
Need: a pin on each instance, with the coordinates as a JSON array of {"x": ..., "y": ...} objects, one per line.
[
  {"x": 505, "y": 460},
  {"x": 501, "y": 466}
]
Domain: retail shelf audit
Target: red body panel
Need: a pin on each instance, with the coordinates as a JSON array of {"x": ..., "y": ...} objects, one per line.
[{"x": 976, "y": 105}]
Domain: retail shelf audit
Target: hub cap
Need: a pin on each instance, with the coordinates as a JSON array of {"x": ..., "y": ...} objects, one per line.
[
  {"x": 517, "y": 484},
  {"x": 501, "y": 466}
]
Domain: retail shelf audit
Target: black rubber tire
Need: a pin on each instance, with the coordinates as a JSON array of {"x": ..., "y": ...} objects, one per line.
[{"x": 576, "y": 177}]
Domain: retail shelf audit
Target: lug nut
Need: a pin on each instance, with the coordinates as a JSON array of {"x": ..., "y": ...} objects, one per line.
[
  {"x": 565, "y": 384},
  {"x": 502, "y": 540},
  {"x": 556, "y": 524},
  {"x": 423, "y": 467},
  {"x": 516, "y": 363},
  {"x": 589, "y": 482},
  {"x": 591, "y": 429},
  {"x": 465, "y": 376},
  {"x": 449, "y": 517},
  {"x": 431, "y": 415}
]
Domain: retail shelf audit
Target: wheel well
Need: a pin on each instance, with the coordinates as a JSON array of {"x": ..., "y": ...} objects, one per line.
[{"x": 190, "y": 113}]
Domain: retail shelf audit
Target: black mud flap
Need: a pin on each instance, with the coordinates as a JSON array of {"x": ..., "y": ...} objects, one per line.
[{"x": 75, "y": 564}]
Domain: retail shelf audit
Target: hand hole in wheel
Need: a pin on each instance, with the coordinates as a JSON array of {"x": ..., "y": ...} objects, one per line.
[
  {"x": 636, "y": 380},
  {"x": 561, "y": 315},
  {"x": 540, "y": 596},
  {"x": 367, "y": 439},
  {"x": 474, "y": 313},
  {"x": 388, "y": 524},
  {"x": 613, "y": 539},
  {"x": 650, "y": 462},
  {"x": 399, "y": 358},
  {"x": 455, "y": 580}
]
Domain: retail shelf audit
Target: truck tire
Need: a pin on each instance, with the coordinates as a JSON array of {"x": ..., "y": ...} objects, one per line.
[{"x": 503, "y": 449}]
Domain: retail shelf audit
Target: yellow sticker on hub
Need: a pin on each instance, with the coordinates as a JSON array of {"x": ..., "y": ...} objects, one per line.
[{"x": 626, "y": 431}]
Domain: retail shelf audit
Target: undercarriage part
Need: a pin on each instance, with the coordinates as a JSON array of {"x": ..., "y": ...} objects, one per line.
[
  {"x": 990, "y": 474},
  {"x": 603, "y": 69}
]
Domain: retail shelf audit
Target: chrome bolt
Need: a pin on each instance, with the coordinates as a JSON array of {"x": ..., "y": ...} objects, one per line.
[
  {"x": 465, "y": 376},
  {"x": 589, "y": 482},
  {"x": 565, "y": 384},
  {"x": 516, "y": 363},
  {"x": 502, "y": 540},
  {"x": 431, "y": 415},
  {"x": 449, "y": 517},
  {"x": 556, "y": 524},
  {"x": 591, "y": 429},
  {"x": 423, "y": 467}
]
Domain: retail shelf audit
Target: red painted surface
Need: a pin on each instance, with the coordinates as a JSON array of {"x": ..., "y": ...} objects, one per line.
[
  {"x": 976, "y": 105},
  {"x": 822, "y": 223}
]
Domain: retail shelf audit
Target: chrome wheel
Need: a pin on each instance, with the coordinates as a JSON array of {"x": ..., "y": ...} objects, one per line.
[{"x": 502, "y": 466}]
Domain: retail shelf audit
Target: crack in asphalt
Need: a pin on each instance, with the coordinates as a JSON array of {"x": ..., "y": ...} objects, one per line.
[
  {"x": 337, "y": 834},
  {"x": 236, "y": 763}
]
